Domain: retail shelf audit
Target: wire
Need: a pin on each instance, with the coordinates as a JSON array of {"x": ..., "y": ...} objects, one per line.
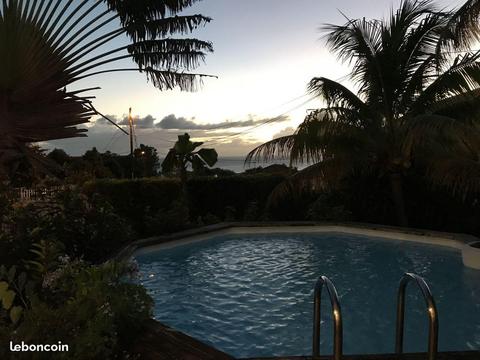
[
  {"x": 110, "y": 142},
  {"x": 222, "y": 139}
]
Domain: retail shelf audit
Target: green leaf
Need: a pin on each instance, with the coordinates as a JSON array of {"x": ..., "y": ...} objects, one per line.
[
  {"x": 16, "y": 313},
  {"x": 7, "y": 299},
  {"x": 210, "y": 156},
  {"x": 3, "y": 287}
]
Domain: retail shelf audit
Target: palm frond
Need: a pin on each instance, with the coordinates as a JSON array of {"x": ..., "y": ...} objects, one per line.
[
  {"x": 274, "y": 149},
  {"x": 462, "y": 77},
  {"x": 463, "y": 28}
]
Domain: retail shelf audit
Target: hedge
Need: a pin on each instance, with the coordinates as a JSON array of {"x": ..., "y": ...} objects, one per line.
[{"x": 135, "y": 200}]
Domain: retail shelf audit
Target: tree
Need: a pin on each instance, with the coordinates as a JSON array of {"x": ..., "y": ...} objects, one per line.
[
  {"x": 48, "y": 46},
  {"x": 59, "y": 156},
  {"x": 184, "y": 154},
  {"x": 417, "y": 103},
  {"x": 147, "y": 162}
]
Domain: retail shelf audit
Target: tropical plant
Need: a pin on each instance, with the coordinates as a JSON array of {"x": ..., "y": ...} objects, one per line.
[
  {"x": 183, "y": 154},
  {"x": 147, "y": 162},
  {"x": 48, "y": 46},
  {"x": 416, "y": 104}
]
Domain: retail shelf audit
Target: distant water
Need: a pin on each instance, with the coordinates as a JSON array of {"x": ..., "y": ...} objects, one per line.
[{"x": 237, "y": 164}]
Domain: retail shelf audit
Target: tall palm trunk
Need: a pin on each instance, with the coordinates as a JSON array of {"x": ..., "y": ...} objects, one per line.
[{"x": 396, "y": 184}]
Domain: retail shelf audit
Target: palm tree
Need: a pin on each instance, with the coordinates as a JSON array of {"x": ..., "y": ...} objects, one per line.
[
  {"x": 417, "y": 103},
  {"x": 48, "y": 46},
  {"x": 184, "y": 154}
]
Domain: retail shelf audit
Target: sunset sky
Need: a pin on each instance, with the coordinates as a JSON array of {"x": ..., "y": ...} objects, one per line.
[{"x": 266, "y": 51}]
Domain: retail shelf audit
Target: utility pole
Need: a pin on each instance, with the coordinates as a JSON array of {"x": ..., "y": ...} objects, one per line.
[{"x": 132, "y": 158}]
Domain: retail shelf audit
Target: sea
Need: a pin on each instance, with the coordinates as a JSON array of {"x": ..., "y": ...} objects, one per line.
[{"x": 237, "y": 163}]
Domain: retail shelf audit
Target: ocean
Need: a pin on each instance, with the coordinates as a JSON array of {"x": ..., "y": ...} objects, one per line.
[{"x": 237, "y": 163}]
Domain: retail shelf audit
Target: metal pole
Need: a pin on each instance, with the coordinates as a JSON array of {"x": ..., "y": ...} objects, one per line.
[
  {"x": 132, "y": 159},
  {"x": 431, "y": 310},
  {"x": 337, "y": 318}
]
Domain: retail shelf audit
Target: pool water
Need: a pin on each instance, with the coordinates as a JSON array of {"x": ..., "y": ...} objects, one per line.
[{"x": 252, "y": 295}]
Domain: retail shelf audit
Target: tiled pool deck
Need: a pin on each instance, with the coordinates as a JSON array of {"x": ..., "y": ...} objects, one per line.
[{"x": 163, "y": 343}]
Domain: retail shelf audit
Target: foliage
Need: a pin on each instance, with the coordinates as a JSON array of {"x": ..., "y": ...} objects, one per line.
[
  {"x": 147, "y": 162},
  {"x": 252, "y": 212},
  {"x": 416, "y": 105},
  {"x": 69, "y": 222},
  {"x": 170, "y": 220},
  {"x": 184, "y": 154},
  {"x": 328, "y": 207},
  {"x": 90, "y": 308},
  {"x": 213, "y": 195},
  {"x": 48, "y": 47},
  {"x": 140, "y": 200},
  {"x": 135, "y": 200}
]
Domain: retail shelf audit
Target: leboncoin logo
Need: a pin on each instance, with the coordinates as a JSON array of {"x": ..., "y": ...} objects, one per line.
[{"x": 38, "y": 348}]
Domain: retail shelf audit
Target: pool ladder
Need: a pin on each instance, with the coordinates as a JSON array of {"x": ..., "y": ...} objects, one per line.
[{"x": 337, "y": 316}]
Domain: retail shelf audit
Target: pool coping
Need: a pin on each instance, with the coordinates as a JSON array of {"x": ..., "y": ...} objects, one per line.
[{"x": 462, "y": 242}]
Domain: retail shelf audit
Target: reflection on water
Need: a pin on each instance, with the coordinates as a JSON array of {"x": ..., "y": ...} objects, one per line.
[{"x": 252, "y": 295}]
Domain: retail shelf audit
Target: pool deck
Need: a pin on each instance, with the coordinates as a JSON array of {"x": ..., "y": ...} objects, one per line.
[{"x": 161, "y": 342}]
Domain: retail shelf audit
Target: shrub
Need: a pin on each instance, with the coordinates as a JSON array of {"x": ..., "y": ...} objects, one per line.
[
  {"x": 328, "y": 207},
  {"x": 87, "y": 228},
  {"x": 170, "y": 220},
  {"x": 145, "y": 201},
  {"x": 214, "y": 195},
  {"x": 87, "y": 307},
  {"x": 136, "y": 200}
]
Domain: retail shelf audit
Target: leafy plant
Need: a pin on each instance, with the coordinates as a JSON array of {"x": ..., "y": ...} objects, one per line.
[
  {"x": 183, "y": 154},
  {"x": 15, "y": 289},
  {"x": 172, "y": 219},
  {"x": 417, "y": 104},
  {"x": 90, "y": 308},
  {"x": 49, "y": 45}
]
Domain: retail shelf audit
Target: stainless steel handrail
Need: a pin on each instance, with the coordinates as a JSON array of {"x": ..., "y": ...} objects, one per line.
[
  {"x": 337, "y": 318},
  {"x": 432, "y": 314}
]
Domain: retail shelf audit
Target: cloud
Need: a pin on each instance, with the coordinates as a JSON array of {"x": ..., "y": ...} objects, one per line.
[
  {"x": 146, "y": 122},
  {"x": 171, "y": 122},
  {"x": 103, "y": 121},
  {"x": 109, "y": 138},
  {"x": 285, "y": 132}
]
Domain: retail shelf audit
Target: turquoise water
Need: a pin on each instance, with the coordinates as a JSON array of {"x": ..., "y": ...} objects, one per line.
[{"x": 252, "y": 295}]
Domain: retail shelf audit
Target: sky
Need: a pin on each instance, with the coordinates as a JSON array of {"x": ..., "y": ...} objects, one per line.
[{"x": 266, "y": 51}]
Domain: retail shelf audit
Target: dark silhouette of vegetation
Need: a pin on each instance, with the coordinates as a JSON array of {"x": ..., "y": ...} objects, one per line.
[
  {"x": 47, "y": 46},
  {"x": 416, "y": 108},
  {"x": 96, "y": 165},
  {"x": 184, "y": 154},
  {"x": 147, "y": 162}
]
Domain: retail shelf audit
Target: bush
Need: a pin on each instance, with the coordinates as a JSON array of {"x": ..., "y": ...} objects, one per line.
[
  {"x": 89, "y": 308},
  {"x": 145, "y": 201},
  {"x": 176, "y": 218},
  {"x": 328, "y": 207},
  {"x": 228, "y": 196},
  {"x": 87, "y": 228},
  {"x": 136, "y": 200}
]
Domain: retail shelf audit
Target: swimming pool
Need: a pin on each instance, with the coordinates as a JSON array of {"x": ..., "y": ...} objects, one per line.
[{"x": 252, "y": 294}]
